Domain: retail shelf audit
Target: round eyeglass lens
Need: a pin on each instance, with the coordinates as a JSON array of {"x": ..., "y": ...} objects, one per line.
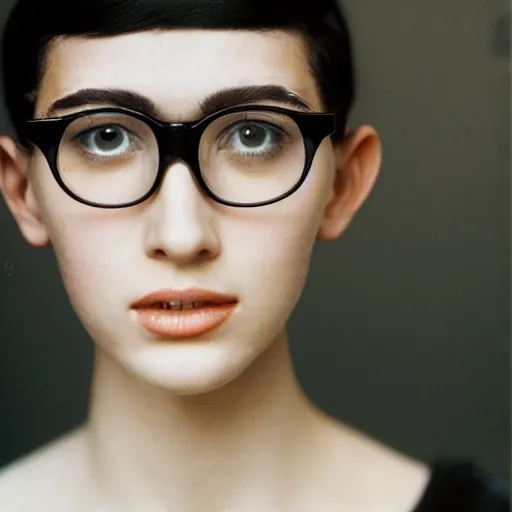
[
  {"x": 250, "y": 157},
  {"x": 108, "y": 158}
]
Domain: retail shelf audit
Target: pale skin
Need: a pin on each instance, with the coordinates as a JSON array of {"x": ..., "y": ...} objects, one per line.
[{"x": 218, "y": 424}]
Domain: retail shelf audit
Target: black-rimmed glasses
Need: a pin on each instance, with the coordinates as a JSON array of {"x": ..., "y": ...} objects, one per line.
[{"x": 242, "y": 156}]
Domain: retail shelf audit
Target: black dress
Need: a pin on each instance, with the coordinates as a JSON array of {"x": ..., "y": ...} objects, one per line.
[{"x": 460, "y": 486}]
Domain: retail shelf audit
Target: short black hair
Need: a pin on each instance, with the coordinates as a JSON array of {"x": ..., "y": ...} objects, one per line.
[{"x": 34, "y": 24}]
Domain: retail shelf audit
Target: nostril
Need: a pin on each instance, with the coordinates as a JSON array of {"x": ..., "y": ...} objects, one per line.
[
  {"x": 183, "y": 255},
  {"x": 204, "y": 254},
  {"x": 159, "y": 253}
]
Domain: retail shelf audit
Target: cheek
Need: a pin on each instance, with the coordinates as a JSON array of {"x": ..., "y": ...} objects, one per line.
[
  {"x": 92, "y": 264},
  {"x": 86, "y": 240},
  {"x": 275, "y": 254},
  {"x": 278, "y": 252},
  {"x": 99, "y": 266},
  {"x": 91, "y": 250}
]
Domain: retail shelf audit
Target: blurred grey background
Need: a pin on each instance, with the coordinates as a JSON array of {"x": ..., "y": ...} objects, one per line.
[{"x": 404, "y": 327}]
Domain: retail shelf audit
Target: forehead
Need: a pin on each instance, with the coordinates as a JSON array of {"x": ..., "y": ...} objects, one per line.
[{"x": 178, "y": 68}]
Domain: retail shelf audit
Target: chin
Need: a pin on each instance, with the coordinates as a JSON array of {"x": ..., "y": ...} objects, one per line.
[{"x": 186, "y": 368}]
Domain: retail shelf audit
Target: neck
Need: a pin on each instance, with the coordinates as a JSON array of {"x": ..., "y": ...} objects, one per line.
[{"x": 217, "y": 451}]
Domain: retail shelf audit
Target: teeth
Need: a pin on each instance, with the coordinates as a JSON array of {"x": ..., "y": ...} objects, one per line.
[{"x": 177, "y": 305}]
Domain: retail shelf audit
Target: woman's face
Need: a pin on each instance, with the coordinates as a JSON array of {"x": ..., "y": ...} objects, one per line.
[{"x": 180, "y": 239}]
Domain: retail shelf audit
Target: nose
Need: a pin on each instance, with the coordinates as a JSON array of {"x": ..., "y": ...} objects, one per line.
[{"x": 181, "y": 220}]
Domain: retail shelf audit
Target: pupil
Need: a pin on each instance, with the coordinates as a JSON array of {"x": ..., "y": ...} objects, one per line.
[
  {"x": 107, "y": 136},
  {"x": 251, "y": 133}
]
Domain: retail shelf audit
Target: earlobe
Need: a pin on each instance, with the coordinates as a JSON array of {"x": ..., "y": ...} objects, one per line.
[
  {"x": 358, "y": 161},
  {"x": 17, "y": 192}
]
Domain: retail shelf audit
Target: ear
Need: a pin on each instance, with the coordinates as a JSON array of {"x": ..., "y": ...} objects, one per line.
[
  {"x": 18, "y": 193},
  {"x": 358, "y": 160}
]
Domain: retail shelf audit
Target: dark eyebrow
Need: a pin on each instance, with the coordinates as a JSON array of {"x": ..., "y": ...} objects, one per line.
[
  {"x": 218, "y": 100},
  {"x": 253, "y": 94}
]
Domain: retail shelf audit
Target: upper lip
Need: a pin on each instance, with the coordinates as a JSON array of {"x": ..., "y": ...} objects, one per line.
[{"x": 191, "y": 295}]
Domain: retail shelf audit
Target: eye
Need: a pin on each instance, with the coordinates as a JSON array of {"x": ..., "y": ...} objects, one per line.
[
  {"x": 108, "y": 140},
  {"x": 253, "y": 135},
  {"x": 254, "y": 138}
]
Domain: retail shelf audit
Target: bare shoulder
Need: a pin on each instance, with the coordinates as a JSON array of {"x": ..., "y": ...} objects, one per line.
[
  {"x": 46, "y": 479},
  {"x": 379, "y": 477}
]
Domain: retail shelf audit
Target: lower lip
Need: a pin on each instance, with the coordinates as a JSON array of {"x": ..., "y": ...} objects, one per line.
[{"x": 184, "y": 323}]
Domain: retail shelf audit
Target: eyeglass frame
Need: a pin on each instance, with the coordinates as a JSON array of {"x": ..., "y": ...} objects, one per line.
[{"x": 182, "y": 145}]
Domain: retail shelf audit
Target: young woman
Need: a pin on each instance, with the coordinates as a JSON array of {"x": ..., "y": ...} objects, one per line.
[{"x": 182, "y": 159}]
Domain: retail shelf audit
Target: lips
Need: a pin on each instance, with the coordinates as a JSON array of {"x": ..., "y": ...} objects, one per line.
[
  {"x": 194, "y": 295},
  {"x": 210, "y": 310}
]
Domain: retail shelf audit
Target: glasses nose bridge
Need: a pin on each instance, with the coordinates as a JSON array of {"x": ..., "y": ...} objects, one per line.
[
  {"x": 175, "y": 140},
  {"x": 178, "y": 142}
]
